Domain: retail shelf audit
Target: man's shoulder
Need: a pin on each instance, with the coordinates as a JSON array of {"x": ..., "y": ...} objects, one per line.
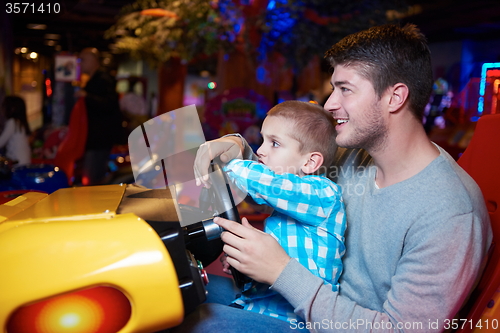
[
  {"x": 446, "y": 172},
  {"x": 450, "y": 182}
]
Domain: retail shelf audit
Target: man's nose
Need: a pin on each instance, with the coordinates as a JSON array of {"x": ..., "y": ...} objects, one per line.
[{"x": 332, "y": 103}]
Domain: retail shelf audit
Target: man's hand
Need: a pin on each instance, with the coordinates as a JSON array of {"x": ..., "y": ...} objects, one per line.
[
  {"x": 227, "y": 148},
  {"x": 251, "y": 251}
]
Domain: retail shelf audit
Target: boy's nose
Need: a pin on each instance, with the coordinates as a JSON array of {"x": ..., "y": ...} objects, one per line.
[{"x": 260, "y": 151}]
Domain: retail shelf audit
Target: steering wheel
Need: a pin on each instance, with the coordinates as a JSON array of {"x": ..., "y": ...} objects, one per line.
[
  {"x": 220, "y": 193},
  {"x": 221, "y": 199}
]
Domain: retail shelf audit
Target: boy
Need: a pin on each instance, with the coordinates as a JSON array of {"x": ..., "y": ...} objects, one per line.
[{"x": 308, "y": 218}]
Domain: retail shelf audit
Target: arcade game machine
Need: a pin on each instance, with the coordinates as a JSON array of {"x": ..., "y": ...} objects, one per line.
[{"x": 116, "y": 258}]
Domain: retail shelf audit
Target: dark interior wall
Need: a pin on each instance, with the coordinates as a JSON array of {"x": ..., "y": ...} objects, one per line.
[
  {"x": 446, "y": 59},
  {"x": 6, "y": 55},
  {"x": 459, "y": 61}
]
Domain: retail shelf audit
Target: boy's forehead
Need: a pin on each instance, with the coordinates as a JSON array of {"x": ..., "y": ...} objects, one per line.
[
  {"x": 278, "y": 123},
  {"x": 278, "y": 127}
]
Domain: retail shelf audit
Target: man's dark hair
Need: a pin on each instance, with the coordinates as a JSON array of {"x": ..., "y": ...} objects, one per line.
[{"x": 386, "y": 55}]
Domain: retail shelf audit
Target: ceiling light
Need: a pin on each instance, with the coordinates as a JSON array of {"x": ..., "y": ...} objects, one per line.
[
  {"x": 36, "y": 26},
  {"x": 33, "y": 55}
]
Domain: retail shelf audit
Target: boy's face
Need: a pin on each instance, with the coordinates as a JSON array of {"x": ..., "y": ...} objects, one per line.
[{"x": 279, "y": 151}]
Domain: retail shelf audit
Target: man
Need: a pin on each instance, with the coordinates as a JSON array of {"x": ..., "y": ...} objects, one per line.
[
  {"x": 417, "y": 226},
  {"x": 103, "y": 114}
]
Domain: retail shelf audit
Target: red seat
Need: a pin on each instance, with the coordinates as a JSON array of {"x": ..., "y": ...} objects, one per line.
[
  {"x": 481, "y": 160},
  {"x": 72, "y": 147}
]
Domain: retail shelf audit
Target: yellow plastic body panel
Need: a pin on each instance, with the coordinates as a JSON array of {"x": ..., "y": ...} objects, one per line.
[
  {"x": 17, "y": 205},
  {"x": 49, "y": 252},
  {"x": 76, "y": 201}
]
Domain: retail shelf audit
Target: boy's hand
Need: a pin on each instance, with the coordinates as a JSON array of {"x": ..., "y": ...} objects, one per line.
[{"x": 227, "y": 148}]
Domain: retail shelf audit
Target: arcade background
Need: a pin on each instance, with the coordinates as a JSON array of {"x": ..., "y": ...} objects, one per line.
[{"x": 232, "y": 88}]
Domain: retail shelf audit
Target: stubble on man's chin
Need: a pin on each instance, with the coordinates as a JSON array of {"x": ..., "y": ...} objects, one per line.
[{"x": 372, "y": 138}]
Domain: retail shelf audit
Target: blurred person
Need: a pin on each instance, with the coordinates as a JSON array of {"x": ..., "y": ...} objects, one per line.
[
  {"x": 103, "y": 114},
  {"x": 131, "y": 102},
  {"x": 133, "y": 106},
  {"x": 16, "y": 132}
]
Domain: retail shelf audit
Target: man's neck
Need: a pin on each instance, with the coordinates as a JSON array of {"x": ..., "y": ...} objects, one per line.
[{"x": 407, "y": 151}]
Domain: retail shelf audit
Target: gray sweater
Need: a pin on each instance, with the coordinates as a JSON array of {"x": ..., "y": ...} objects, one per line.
[{"x": 414, "y": 250}]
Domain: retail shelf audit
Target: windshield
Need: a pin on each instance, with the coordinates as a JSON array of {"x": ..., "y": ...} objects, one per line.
[{"x": 162, "y": 154}]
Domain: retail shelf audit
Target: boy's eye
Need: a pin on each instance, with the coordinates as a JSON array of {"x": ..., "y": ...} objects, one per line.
[{"x": 275, "y": 144}]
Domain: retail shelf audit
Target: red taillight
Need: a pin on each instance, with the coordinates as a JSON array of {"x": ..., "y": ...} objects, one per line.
[
  {"x": 48, "y": 87},
  {"x": 94, "y": 310}
]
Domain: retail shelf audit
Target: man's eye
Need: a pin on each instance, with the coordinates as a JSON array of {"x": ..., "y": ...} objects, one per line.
[{"x": 344, "y": 89}]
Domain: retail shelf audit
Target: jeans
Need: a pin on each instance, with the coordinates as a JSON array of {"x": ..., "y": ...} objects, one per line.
[{"x": 215, "y": 316}]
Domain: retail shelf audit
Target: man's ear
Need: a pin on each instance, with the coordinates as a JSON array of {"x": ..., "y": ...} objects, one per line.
[
  {"x": 400, "y": 93},
  {"x": 314, "y": 162}
]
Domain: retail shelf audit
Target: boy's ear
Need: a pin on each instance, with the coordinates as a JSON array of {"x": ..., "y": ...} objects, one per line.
[{"x": 314, "y": 162}]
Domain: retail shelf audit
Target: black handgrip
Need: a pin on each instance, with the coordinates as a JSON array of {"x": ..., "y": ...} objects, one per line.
[
  {"x": 240, "y": 279},
  {"x": 229, "y": 211}
]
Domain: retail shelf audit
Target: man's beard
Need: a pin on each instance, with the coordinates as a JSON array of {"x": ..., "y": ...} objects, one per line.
[{"x": 371, "y": 136}]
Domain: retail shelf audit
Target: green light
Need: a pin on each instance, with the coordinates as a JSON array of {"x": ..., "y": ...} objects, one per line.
[{"x": 212, "y": 85}]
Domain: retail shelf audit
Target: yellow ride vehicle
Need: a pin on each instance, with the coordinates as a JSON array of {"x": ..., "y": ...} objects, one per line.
[{"x": 115, "y": 258}]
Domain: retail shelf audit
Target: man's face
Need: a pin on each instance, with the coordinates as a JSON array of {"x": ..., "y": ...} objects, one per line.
[
  {"x": 279, "y": 151},
  {"x": 357, "y": 109}
]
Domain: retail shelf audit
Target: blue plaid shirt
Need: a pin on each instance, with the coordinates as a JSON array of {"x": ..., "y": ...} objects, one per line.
[{"x": 308, "y": 221}]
